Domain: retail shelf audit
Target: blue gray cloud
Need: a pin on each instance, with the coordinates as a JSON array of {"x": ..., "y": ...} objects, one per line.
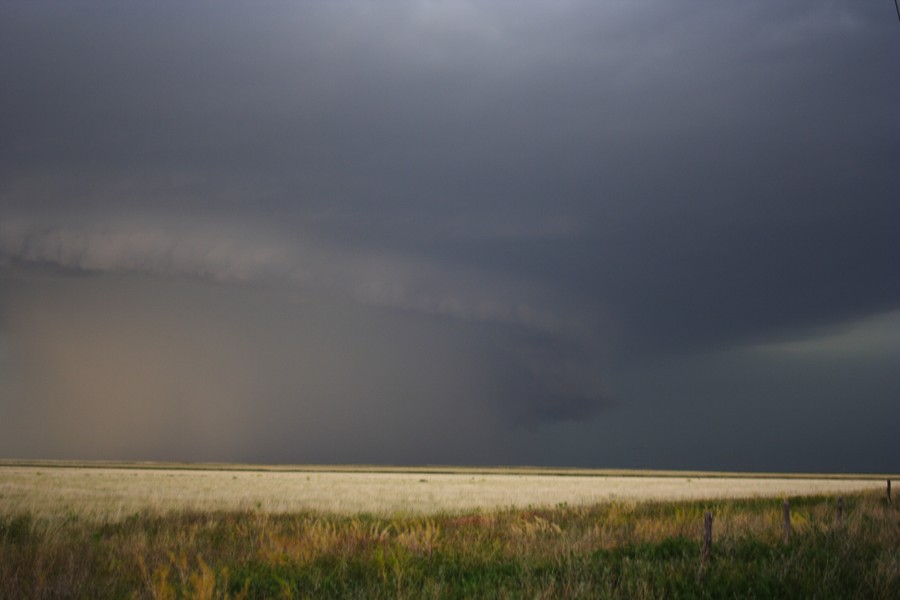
[{"x": 580, "y": 209}]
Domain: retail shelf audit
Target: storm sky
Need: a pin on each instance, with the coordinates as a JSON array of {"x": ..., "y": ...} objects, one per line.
[{"x": 606, "y": 234}]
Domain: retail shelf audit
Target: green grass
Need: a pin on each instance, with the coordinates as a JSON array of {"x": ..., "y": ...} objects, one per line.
[{"x": 627, "y": 550}]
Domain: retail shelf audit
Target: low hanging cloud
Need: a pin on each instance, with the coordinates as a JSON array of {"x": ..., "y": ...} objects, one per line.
[
  {"x": 223, "y": 255},
  {"x": 143, "y": 250},
  {"x": 528, "y": 391}
]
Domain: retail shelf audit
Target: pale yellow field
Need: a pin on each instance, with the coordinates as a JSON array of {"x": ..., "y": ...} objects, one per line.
[{"x": 110, "y": 494}]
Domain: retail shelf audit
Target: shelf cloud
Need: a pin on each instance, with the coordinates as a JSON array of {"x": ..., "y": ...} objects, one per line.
[{"x": 415, "y": 231}]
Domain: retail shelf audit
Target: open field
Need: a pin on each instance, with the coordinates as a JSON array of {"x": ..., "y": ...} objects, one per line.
[
  {"x": 139, "y": 532},
  {"x": 113, "y": 493},
  {"x": 611, "y": 550}
]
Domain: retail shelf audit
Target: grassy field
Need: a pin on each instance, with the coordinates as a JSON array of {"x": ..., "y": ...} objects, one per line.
[
  {"x": 125, "y": 533},
  {"x": 112, "y": 493}
]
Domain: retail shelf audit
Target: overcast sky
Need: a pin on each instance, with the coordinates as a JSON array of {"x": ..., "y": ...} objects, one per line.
[{"x": 609, "y": 234}]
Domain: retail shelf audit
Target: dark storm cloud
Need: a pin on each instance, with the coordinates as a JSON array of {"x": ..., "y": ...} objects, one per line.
[{"x": 581, "y": 186}]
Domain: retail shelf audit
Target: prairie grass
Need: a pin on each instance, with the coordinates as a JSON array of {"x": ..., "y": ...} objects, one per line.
[
  {"x": 613, "y": 548},
  {"x": 111, "y": 494}
]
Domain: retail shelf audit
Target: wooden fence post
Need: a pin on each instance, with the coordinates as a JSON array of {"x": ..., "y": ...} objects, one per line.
[
  {"x": 706, "y": 553},
  {"x": 839, "y": 515},
  {"x": 786, "y": 507},
  {"x": 889, "y": 491},
  {"x": 707, "y": 537}
]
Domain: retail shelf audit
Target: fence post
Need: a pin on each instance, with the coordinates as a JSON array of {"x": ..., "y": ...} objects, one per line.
[
  {"x": 839, "y": 515},
  {"x": 786, "y": 507},
  {"x": 706, "y": 553},
  {"x": 889, "y": 491},
  {"x": 707, "y": 537}
]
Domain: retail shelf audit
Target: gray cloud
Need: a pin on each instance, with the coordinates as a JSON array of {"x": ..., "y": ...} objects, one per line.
[
  {"x": 227, "y": 254},
  {"x": 580, "y": 189},
  {"x": 528, "y": 391},
  {"x": 140, "y": 249}
]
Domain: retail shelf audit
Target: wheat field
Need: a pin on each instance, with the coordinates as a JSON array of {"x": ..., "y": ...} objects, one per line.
[{"x": 107, "y": 494}]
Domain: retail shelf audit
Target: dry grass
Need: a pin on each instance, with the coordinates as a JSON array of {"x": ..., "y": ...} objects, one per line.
[
  {"x": 610, "y": 550},
  {"x": 111, "y": 494}
]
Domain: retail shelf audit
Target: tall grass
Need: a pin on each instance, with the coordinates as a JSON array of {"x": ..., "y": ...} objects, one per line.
[
  {"x": 612, "y": 550},
  {"x": 110, "y": 494}
]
